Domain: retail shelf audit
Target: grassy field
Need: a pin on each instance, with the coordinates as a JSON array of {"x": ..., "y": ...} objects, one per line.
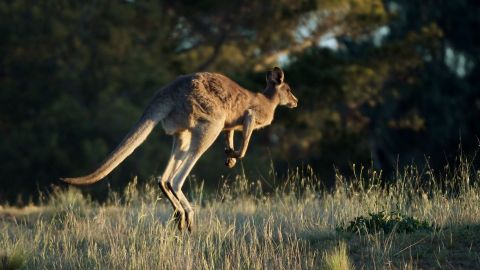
[{"x": 296, "y": 226}]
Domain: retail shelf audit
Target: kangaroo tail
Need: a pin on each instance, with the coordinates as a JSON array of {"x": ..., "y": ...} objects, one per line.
[{"x": 134, "y": 138}]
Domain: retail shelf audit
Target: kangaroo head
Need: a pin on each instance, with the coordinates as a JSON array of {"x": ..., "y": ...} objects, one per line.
[{"x": 277, "y": 87}]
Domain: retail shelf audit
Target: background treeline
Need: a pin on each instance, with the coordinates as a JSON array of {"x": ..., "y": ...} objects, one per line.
[{"x": 381, "y": 82}]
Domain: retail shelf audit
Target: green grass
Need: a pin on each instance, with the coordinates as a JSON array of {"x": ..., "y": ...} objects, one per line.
[{"x": 242, "y": 227}]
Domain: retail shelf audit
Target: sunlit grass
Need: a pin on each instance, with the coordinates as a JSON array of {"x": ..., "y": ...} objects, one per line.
[
  {"x": 337, "y": 259},
  {"x": 242, "y": 227}
]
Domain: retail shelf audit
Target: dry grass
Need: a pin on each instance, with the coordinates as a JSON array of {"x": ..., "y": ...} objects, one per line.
[
  {"x": 243, "y": 228},
  {"x": 337, "y": 259}
]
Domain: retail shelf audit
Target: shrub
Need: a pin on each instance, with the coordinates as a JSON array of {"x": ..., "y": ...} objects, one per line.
[
  {"x": 71, "y": 200},
  {"x": 386, "y": 222}
]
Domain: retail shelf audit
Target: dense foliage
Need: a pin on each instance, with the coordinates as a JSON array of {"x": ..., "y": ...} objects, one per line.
[{"x": 383, "y": 81}]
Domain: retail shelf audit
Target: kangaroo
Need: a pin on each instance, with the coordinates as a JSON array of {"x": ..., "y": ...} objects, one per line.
[{"x": 195, "y": 109}]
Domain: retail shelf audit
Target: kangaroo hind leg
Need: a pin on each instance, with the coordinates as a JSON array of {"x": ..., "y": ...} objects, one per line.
[
  {"x": 179, "y": 147},
  {"x": 203, "y": 136}
]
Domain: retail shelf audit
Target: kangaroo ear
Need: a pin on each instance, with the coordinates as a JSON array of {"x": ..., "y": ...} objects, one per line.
[
  {"x": 278, "y": 73},
  {"x": 275, "y": 76}
]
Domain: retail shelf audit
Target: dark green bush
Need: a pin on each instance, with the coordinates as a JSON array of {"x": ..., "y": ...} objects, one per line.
[{"x": 386, "y": 222}]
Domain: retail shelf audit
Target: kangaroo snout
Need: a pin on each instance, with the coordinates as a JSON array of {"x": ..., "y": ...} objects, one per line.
[{"x": 293, "y": 103}]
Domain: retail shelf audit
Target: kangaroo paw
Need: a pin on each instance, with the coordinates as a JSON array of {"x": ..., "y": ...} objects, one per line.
[
  {"x": 232, "y": 153},
  {"x": 230, "y": 162}
]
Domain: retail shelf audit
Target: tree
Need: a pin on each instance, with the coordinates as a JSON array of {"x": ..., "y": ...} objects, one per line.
[
  {"x": 401, "y": 83},
  {"x": 410, "y": 94}
]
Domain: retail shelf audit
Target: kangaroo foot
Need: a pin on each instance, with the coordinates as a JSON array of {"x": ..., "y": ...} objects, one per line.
[
  {"x": 190, "y": 222},
  {"x": 179, "y": 217}
]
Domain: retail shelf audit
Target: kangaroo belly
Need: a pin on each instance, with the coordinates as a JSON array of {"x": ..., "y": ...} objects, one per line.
[{"x": 177, "y": 120}]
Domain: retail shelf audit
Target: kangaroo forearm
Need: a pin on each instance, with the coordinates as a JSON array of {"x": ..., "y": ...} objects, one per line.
[
  {"x": 247, "y": 133},
  {"x": 229, "y": 139},
  {"x": 243, "y": 149}
]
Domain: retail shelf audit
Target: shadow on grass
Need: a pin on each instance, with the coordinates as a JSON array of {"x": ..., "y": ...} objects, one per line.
[{"x": 453, "y": 247}]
